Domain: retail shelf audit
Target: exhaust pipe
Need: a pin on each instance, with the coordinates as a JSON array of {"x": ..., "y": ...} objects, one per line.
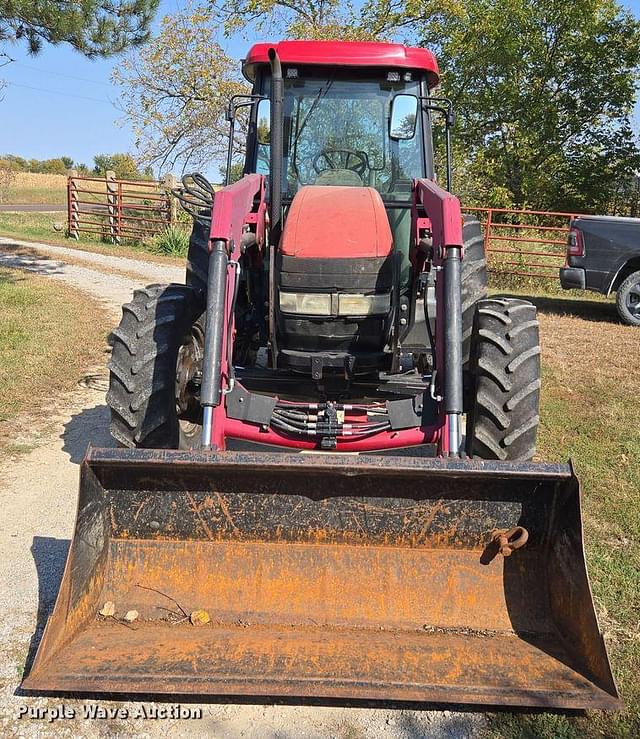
[
  {"x": 275, "y": 180},
  {"x": 275, "y": 191}
]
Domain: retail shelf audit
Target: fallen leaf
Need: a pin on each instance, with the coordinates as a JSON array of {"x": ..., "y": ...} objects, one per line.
[
  {"x": 199, "y": 617},
  {"x": 108, "y": 609},
  {"x": 131, "y": 615}
]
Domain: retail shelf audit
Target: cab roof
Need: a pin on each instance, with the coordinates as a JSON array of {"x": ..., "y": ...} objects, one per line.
[{"x": 344, "y": 54}]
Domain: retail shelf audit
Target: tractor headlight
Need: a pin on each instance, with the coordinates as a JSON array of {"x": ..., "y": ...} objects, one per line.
[
  {"x": 308, "y": 304},
  {"x": 363, "y": 305},
  {"x": 336, "y": 304}
]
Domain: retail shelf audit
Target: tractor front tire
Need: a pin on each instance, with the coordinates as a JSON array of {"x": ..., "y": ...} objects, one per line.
[
  {"x": 157, "y": 327},
  {"x": 473, "y": 279},
  {"x": 502, "y": 422},
  {"x": 198, "y": 256}
]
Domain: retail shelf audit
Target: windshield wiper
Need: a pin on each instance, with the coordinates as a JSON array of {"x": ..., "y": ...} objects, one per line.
[{"x": 321, "y": 93}]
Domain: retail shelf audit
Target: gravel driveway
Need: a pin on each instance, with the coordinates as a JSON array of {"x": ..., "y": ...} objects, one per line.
[{"x": 38, "y": 496}]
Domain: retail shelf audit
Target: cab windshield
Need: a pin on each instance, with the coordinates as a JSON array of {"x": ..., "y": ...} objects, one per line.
[{"x": 336, "y": 132}]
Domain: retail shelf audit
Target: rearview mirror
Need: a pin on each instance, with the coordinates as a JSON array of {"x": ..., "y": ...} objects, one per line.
[
  {"x": 263, "y": 122},
  {"x": 404, "y": 113}
]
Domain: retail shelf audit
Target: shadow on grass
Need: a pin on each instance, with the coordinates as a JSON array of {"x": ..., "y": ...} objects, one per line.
[{"x": 588, "y": 310}]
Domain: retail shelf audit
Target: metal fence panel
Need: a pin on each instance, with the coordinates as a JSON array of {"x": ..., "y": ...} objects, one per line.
[
  {"x": 526, "y": 243},
  {"x": 118, "y": 209}
]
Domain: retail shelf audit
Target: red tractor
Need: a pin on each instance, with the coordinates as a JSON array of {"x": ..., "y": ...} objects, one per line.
[{"x": 335, "y": 302}]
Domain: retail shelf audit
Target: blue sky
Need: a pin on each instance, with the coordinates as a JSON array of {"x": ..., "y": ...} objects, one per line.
[{"x": 60, "y": 103}]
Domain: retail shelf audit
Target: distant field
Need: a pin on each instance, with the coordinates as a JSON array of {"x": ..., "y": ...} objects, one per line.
[{"x": 28, "y": 187}]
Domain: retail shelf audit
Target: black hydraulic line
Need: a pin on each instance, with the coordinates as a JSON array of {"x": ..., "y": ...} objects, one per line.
[
  {"x": 449, "y": 156},
  {"x": 232, "y": 126},
  {"x": 452, "y": 331},
  {"x": 432, "y": 342},
  {"x": 211, "y": 392},
  {"x": 287, "y": 427},
  {"x": 195, "y": 196},
  {"x": 276, "y": 138},
  {"x": 230, "y": 318},
  {"x": 291, "y": 417}
]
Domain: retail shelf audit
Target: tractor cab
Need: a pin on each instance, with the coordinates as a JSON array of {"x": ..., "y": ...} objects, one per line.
[{"x": 354, "y": 133}]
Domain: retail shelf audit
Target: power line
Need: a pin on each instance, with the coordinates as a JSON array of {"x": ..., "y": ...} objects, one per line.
[
  {"x": 61, "y": 74},
  {"x": 63, "y": 94}
]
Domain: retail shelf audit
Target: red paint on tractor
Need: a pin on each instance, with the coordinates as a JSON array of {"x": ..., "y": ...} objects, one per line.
[
  {"x": 357, "y": 226},
  {"x": 443, "y": 210},
  {"x": 231, "y": 209},
  {"x": 344, "y": 54},
  {"x": 371, "y": 443},
  {"x": 231, "y": 206}
]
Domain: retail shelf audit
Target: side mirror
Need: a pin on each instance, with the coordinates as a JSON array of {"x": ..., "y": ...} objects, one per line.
[
  {"x": 263, "y": 122},
  {"x": 404, "y": 113}
]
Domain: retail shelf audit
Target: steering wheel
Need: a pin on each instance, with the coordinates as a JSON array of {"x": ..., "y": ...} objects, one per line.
[{"x": 359, "y": 166}]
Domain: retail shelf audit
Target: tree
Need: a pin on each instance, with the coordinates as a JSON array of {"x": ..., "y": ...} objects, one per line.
[
  {"x": 51, "y": 166},
  {"x": 545, "y": 91},
  {"x": 175, "y": 92},
  {"x": 96, "y": 28},
  {"x": 124, "y": 166},
  {"x": 312, "y": 19}
]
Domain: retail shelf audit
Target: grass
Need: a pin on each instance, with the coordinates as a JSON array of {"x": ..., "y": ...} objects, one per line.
[
  {"x": 49, "y": 335},
  {"x": 50, "y": 228},
  {"x": 590, "y": 411},
  {"x": 173, "y": 241},
  {"x": 29, "y": 187}
]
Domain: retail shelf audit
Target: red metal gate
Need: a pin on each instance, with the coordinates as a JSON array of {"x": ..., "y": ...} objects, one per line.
[
  {"x": 118, "y": 209},
  {"x": 526, "y": 243}
]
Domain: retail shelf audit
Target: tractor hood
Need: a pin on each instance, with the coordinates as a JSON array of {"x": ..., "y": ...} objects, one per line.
[{"x": 331, "y": 222}]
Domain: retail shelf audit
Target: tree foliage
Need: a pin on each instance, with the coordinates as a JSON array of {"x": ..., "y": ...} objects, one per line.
[
  {"x": 545, "y": 93},
  {"x": 544, "y": 89},
  {"x": 93, "y": 27},
  {"x": 57, "y": 165},
  {"x": 124, "y": 166},
  {"x": 175, "y": 92}
]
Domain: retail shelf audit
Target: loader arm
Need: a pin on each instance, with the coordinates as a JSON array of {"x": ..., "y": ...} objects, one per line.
[{"x": 234, "y": 212}]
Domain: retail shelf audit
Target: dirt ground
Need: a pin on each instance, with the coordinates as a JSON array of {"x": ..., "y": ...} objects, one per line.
[{"x": 38, "y": 497}]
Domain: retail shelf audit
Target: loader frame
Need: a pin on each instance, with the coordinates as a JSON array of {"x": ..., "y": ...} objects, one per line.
[{"x": 240, "y": 209}]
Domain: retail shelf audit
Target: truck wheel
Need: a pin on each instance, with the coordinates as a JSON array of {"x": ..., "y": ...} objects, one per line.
[
  {"x": 628, "y": 300},
  {"x": 154, "y": 369},
  {"x": 473, "y": 278},
  {"x": 505, "y": 364}
]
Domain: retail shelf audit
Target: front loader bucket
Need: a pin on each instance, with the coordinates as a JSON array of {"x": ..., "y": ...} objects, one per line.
[{"x": 336, "y": 577}]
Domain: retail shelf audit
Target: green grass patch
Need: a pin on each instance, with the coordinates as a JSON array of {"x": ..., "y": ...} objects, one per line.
[
  {"x": 50, "y": 228},
  {"x": 49, "y": 335},
  {"x": 173, "y": 241},
  {"x": 589, "y": 413}
]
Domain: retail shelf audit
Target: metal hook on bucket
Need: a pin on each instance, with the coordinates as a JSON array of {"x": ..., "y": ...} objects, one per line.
[{"x": 508, "y": 540}]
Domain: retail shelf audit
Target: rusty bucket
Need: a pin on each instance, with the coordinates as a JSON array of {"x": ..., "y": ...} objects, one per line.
[{"x": 327, "y": 576}]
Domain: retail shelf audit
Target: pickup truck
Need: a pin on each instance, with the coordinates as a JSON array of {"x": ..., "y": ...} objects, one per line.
[{"x": 603, "y": 254}]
